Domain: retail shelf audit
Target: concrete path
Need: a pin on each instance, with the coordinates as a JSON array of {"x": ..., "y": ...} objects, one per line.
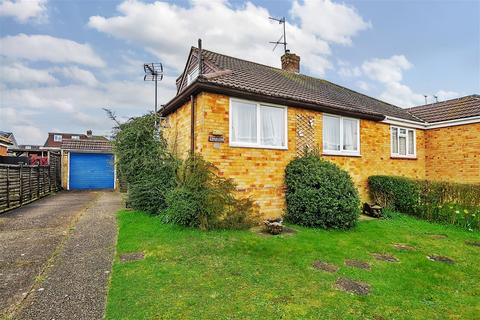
[{"x": 56, "y": 255}]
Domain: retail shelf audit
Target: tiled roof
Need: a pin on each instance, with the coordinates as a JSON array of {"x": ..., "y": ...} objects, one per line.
[
  {"x": 87, "y": 145},
  {"x": 5, "y": 140},
  {"x": 464, "y": 107},
  {"x": 273, "y": 82}
]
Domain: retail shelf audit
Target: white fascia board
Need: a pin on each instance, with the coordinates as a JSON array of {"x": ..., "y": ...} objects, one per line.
[
  {"x": 426, "y": 126},
  {"x": 404, "y": 123},
  {"x": 456, "y": 122}
]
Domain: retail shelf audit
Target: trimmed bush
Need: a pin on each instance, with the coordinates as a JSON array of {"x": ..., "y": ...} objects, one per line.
[
  {"x": 320, "y": 194},
  {"x": 444, "y": 202},
  {"x": 204, "y": 200}
]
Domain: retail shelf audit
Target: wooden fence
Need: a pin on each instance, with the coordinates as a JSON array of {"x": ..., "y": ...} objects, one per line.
[{"x": 21, "y": 184}]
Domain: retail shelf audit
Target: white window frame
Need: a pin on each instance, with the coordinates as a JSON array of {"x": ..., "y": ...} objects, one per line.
[
  {"x": 75, "y": 137},
  {"x": 192, "y": 75},
  {"x": 57, "y": 138},
  {"x": 257, "y": 144},
  {"x": 342, "y": 152},
  {"x": 397, "y": 154}
]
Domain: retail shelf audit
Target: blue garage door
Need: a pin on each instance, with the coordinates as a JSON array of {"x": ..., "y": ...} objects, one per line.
[{"x": 91, "y": 171}]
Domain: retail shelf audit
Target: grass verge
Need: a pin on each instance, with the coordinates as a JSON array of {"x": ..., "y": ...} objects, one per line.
[{"x": 189, "y": 274}]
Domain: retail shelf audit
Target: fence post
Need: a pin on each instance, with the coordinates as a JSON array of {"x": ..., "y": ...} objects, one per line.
[
  {"x": 30, "y": 183},
  {"x": 8, "y": 187},
  {"x": 20, "y": 192},
  {"x": 49, "y": 179},
  {"x": 38, "y": 181}
]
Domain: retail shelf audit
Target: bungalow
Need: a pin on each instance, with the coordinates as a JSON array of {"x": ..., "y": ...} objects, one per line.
[{"x": 251, "y": 120}]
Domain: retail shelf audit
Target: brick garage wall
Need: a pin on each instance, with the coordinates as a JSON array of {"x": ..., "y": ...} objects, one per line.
[
  {"x": 453, "y": 153},
  {"x": 64, "y": 170},
  {"x": 260, "y": 172}
]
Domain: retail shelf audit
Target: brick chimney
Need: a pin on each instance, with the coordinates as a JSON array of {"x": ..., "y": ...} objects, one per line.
[{"x": 291, "y": 62}]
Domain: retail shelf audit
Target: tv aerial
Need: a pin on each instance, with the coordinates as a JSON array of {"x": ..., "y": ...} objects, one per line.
[{"x": 283, "y": 39}]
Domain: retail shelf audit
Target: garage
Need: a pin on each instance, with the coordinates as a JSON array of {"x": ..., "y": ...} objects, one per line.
[
  {"x": 88, "y": 164},
  {"x": 91, "y": 171}
]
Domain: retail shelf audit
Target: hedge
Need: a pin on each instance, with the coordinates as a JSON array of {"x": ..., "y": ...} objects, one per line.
[{"x": 445, "y": 202}]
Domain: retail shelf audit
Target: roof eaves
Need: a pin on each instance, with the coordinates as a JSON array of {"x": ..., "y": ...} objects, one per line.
[{"x": 201, "y": 85}]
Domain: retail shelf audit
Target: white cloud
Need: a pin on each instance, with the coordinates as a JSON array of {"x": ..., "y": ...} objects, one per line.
[
  {"x": 389, "y": 72},
  {"x": 18, "y": 73},
  {"x": 401, "y": 95},
  {"x": 28, "y": 134},
  {"x": 20, "y": 122},
  {"x": 363, "y": 85},
  {"x": 348, "y": 72},
  {"x": 386, "y": 70},
  {"x": 78, "y": 75},
  {"x": 83, "y": 104},
  {"x": 333, "y": 22},
  {"x": 48, "y": 48},
  {"x": 243, "y": 31},
  {"x": 24, "y": 10},
  {"x": 443, "y": 95}
]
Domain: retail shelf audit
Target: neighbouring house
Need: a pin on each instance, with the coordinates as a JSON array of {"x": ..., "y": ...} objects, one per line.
[
  {"x": 452, "y": 139},
  {"x": 11, "y": 137},
  {"x": 251, "y": 120},
  {"x": 36, "y": 154},
  {"x": 5, "y": 144},
  {"x": 54, "y": 139},
  {"x": 87, "y": 164}
]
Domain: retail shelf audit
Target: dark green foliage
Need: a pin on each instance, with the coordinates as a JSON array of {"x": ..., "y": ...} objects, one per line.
[
  {"x": 435, "y": 201},
  {"x": 204, "y": 200},
  {"x": 320, "y": 194},
  {"x": 145, "y": 163}
]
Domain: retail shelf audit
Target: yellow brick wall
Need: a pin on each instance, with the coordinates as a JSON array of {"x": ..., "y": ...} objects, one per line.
[
  {"x": 64, "y": 170},
  {"x": 177, "y": 130},
  {"x": 453, "y": 154},
  {"x": 260, "y": 172}
]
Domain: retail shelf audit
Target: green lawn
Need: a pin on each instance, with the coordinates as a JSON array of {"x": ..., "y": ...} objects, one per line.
[{"x": 189, "y": 274}]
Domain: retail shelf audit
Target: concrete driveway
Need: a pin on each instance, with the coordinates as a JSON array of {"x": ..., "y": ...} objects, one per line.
[{"x": 56, "y": 256}]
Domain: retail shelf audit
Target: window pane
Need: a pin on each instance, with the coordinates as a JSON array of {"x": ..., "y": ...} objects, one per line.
[
  {"x": 244, "y": 122},
  {"x": 411, "y": 142},
  {"x": 402, "y": 141},
  {"x": 395, "y": 140},
  {"x": 331, "y": 133},
  {"x": 350, "y": 135},
  {"x": 272, "y": 126},
  {"x": 192, "y": 75}
]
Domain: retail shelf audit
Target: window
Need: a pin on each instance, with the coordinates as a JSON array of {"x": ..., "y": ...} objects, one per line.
[
  {"x": 403, "y": 142},
  {"x": 257, "y": 125},
  {"x": 341, "y": 135},
  {"x": 57, "y": 137},
  {"x": 192, "y": 75},
  {"x": 76, "y": 137}
]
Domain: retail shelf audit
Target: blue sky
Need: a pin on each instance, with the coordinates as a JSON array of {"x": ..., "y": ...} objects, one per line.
[{"x": 62, "y": 61}]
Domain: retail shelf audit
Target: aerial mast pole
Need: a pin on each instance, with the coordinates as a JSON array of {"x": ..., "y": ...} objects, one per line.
[{"x": 152, "y": 72}]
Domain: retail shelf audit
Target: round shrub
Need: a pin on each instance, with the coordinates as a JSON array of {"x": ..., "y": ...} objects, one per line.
[{"x": 320, "y": 194}]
